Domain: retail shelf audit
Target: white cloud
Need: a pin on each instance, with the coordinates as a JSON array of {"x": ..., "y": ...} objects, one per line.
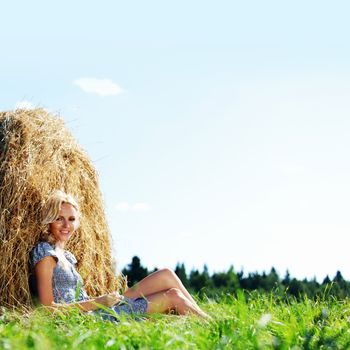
[
  {"x": 101, "y": 87},
  {"x": 137, "y": 207},
  {"x": 24, "y": 105},
  {"x": 141, "y": 207},
  {"x": 123, "y": 206}
]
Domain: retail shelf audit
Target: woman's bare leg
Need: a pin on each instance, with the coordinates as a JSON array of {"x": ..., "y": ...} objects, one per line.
[
  {"x": 172, "y": 300},
  {"x": 156, "y": 282}
]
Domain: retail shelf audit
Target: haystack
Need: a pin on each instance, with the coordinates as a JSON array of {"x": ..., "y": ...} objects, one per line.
[{"x": 37, "y": 155}]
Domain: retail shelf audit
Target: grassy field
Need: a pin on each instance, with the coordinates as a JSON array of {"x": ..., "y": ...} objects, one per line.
[{"x": 253, "y": 321}]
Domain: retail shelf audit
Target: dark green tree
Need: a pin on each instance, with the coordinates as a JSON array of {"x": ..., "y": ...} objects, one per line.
[
  {"x": 340, "y": 287},
  {"x": 296, "y": 288},
  {"x": 230, "y": 282},
  {"x": 225, "y": 282},
  {"x": 326, "y": 281},
  {"x": 272, "y": 280},
  {"x": 180, "y": 270},
  {"x": 199, "y": 280},
  {"x": 286, "y": 279},
  {"x": 311, "y": 287},
  {"x": 135, "y": 271},
  {"x": 338, "y": 278},
  {"x": 220, "y": 280}
]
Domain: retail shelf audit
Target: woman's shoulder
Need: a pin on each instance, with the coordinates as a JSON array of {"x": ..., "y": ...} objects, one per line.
[
  {"x": 40, "y": 251},
  {"x": 43, "y": 245}
]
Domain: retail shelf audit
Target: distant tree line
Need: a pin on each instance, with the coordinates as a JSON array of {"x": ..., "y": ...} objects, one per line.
[{"x": 202, "y": 283}]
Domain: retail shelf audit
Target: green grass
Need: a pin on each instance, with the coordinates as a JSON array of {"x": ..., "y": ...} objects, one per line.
[{"x": 252, "y": 321}]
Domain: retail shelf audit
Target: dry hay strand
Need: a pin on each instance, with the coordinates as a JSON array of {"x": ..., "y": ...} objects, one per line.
[{"x": 38, "y": 155}]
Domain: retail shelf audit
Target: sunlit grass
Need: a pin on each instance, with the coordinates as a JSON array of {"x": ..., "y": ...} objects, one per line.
[{"x": 254, "y": 321}]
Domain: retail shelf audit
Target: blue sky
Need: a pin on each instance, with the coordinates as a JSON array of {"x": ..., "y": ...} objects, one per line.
[{"x": 219, "y": 129}]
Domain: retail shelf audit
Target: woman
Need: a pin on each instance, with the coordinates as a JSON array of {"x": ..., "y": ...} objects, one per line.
[{"x": 59, "y": 285}]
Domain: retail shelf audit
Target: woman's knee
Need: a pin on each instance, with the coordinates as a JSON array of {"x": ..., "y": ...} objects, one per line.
[
  {"x": 168, "y": 273},
  {"x": 175, "y": 295}
]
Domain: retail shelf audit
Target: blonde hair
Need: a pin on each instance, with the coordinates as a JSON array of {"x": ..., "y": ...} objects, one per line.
[{"x": 51, "y": 210}]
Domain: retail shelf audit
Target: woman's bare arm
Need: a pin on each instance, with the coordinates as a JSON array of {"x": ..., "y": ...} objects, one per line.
[
  {"x": 92, "y": 304},
  {"x": 44, "y": 272}
]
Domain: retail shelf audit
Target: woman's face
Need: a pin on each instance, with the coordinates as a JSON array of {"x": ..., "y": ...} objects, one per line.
[{"x": 63, "y": 227}]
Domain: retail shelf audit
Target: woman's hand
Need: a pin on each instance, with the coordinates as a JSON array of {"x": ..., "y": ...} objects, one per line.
[{"x": 109, "y": 299}]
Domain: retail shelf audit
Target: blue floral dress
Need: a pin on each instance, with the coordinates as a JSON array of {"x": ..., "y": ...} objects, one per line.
[{"x": 67, "y": 284}]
